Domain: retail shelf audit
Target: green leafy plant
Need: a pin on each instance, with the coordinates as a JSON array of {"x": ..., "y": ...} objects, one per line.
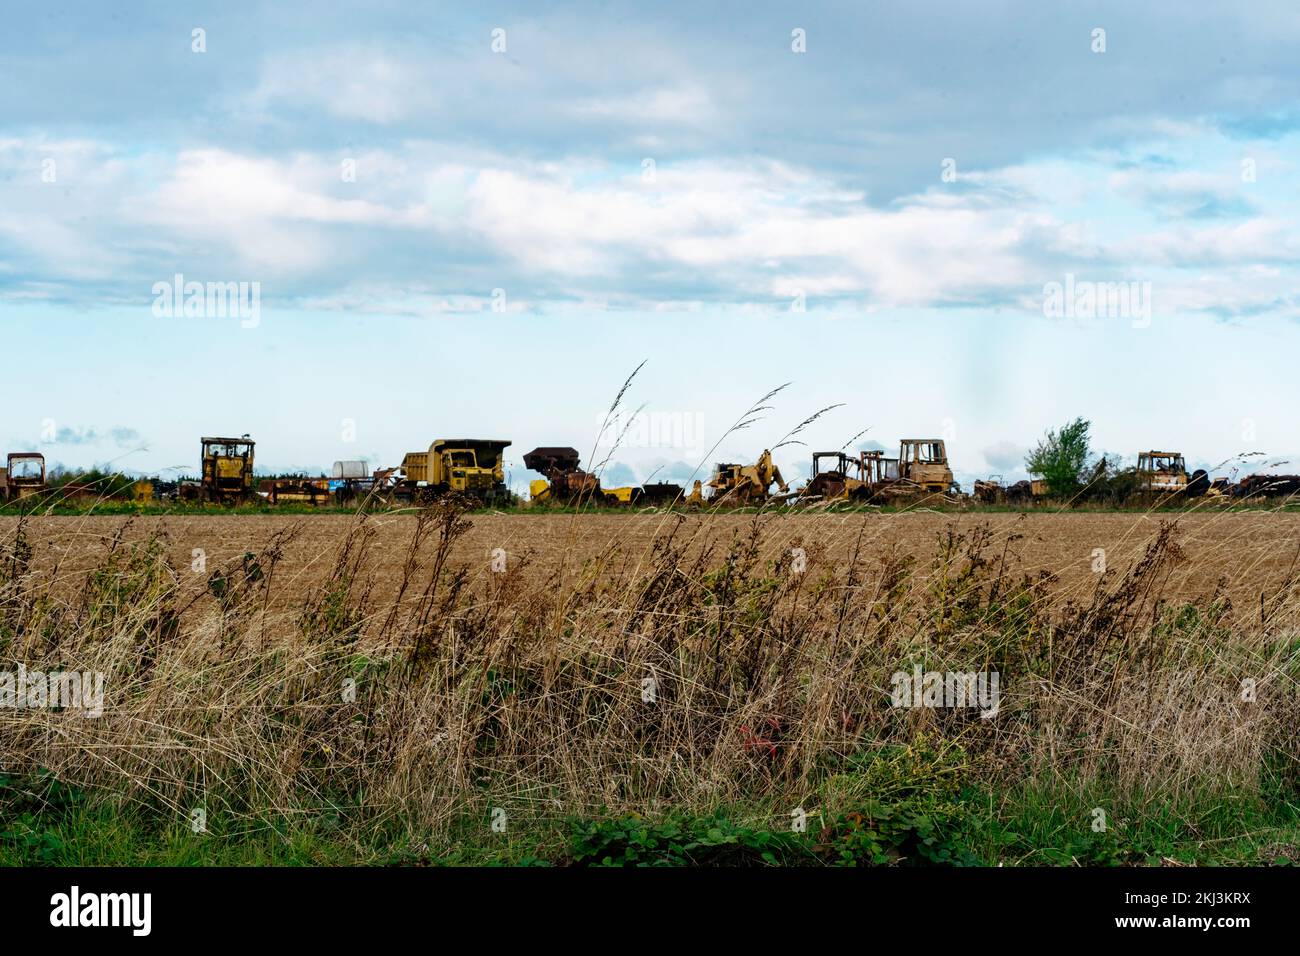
[{"x": 1061, "y": 458}]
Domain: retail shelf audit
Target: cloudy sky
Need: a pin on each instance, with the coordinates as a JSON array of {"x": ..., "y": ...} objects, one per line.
[{"x": 955, "y": 220}]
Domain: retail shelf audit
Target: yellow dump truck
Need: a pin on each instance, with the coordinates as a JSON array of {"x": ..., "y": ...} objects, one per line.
[{"x": 471, "y": 466}]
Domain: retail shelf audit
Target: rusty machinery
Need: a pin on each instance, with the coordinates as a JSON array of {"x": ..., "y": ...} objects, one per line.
[
  {"x": 1165, "y": 473},
  {"x": 920, "y": 468},
  {"x": 23, "y": 475},
  {"x": 567, "y": 483},
  {"x": 564, "y": 481},
  {"x": 836, "y": 476},
  {"x": 226, "y": 475}
]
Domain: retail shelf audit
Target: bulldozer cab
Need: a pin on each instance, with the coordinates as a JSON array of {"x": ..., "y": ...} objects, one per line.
[
  {"x": 1167, "y": 461},
  {"x": 24, "y": 474},
  {"x": 836, "y": 462},
  {"x": 1162, "y": 470},
  {"x": 923, "y": 450},
  {"x": 876, "y": 468},
  {"x": 829, "y": 475},
  {"x": 924, "y": 462}
]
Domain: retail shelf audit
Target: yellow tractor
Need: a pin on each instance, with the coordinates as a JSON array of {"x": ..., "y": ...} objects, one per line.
[
  {"x": 469, "y": 466},
  {"x": 745, "y": 484},
  {"x": 226, "y": 470}
]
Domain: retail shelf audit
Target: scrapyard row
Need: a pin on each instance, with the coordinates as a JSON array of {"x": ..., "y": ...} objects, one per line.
[{"x": 475, "y": 467}]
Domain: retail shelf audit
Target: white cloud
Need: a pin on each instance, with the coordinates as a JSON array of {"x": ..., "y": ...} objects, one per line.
[
  {"x": 1005, "y": 456},
  {"x": 428, "y": 230},
  {"x": 685, "y": 104},
  {"x": 350, "y": 82}
]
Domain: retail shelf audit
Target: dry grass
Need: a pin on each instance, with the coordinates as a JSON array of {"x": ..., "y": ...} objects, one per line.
[{"x": 524, "y": 689}]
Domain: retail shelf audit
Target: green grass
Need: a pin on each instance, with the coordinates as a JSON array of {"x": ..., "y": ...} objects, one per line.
[{"x": 928, "y": 820}]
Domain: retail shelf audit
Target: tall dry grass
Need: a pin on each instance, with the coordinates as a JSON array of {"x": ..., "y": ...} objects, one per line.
[{"x": 527, "y": 689}]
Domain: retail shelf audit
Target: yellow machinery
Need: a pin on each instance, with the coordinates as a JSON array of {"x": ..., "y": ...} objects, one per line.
[
  {"x": 920, "y": 468},
  {"x": 472, "y": 466},
  {"x": 227, "y": 469},
  {"x": 1165, "y": 473},
  {"x": 995, "y": 491},
  {"x": 745, "y": 484},
  {"x": 839, "y": 477},
  {"x": 566, "y": 483},
  {"x": 303, "y": 491},
  {"x": 923, "y": 462},
  {"x": 541, "y": 491},
  {"x": 696, "y": 498}
]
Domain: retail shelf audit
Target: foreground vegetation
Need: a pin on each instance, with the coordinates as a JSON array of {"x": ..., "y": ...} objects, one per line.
[
  {"x": 48, "y": 824},
  {"x": 678, "y": 706}
]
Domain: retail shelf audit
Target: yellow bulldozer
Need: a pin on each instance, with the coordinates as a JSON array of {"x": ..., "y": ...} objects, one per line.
[
  {"x": 920, "y": 468},
  {"x": 1165, "y": 473},
  {"x": 226, "y": 470},
  {"x": 840, "y": 477},
  {"x": 923, "y": 463}
]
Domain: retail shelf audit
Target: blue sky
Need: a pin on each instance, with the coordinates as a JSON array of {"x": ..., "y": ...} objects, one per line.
[{"x": 452, "y": 239}]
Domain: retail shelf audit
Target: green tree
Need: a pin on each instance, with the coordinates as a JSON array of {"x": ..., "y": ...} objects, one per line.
[{"x": 1061, "y": 458}]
